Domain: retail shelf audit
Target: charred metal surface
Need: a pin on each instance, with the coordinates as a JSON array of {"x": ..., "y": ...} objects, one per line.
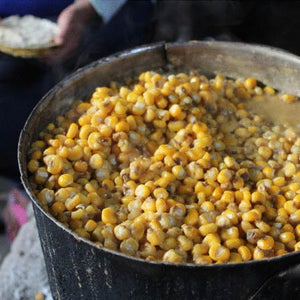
[{"x": 77, "y": 269}]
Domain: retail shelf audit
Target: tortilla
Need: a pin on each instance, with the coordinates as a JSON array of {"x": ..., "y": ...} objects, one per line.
[{"x": 27, "y": 36}]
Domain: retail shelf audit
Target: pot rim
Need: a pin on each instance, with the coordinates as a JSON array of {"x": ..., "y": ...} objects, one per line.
[{"x": 81, "y": 72}]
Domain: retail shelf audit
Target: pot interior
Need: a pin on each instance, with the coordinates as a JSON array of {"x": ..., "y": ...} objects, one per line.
[{"x": 271, "y": 66}]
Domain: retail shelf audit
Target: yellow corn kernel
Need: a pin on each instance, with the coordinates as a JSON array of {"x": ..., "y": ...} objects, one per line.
[
  {"x": 185, "y": 244},
  {"x": 149, "y": 205},
  {"x": 65, "y": 180},
  {"x": 218, "y": 252},
  {"x": 161, "y": 205},
  {"x": 179, "y": 172},
  {"x": 269, "y": 90},
  {"x": 199, "y": 250},
  {"x": 71, "y": 203},
  {"x": 288, "y": 98},
  {"x": 54, "y": 164},
  {"x": 90, "y": 225},
  {"x": 192, "y": 217},
  {"x": 108, "y": 184},
  {"x": 279, "y": 181},
  {"x": 33, "y": 165},
  {"x": 290, "y": 207},
  {"x": 162, "y": 182},
  {"x": 105, "y": 130},
  {"x": 95, "y": 199},
  {"x": 172, "y": 256},
  {"x": 77, "y": 214},
  {"x": 58, "y": 207},
  {"x": 90, "y": 210},
  {"x": 265, "y": 243},
  {"x": 80, "y": 166},
  {"x": 175, "y": 111},
  {"x": 148, "y": 97},
  {"x": 265, "y": 152},
  {"x": 258, "y": 254},
  {"x": 72, "y": 131},
  {"x": 207, "y": 206},
  {"x": 122, "y": 126},
  {"x": 245, "y": 253},
  {"x": 229, "y": 233},
  {"x": 235, "y": 257},
  {"x": 224, "y": 176},
  {"x": 142, "y": 191},
  {"x": 234, "y": 243},
  {"x": 169, "y": 243},
  {"x": 108, "y": 216},
  {"x": 82, "y": 233},
  {"x": 208, "y": 228},
  {"x": 83, "y": 107},
  {"x": 63, "y": 152},
  {"x": 211, "y": 239},
  {"x": 89, "y": 187},
  {"x": 39, "y": 144},
  {"x": 75, "y": 153},
  {"x": 137, "y": 230},
  {"x": 155, "y": 237},
  {"x": 160, "y": 193},
  {"x": 286, "y": 237},
  {"x": 252, "y": 215},
  {"x": 203, "y": 260},
  {"x": 280, "y": 252},
  {"x": 258, "y": 197},
  {"x": 129, "y": 246},
  {"x": 96, "y": 161},
  {"x": 121, "y": 232},
  {"x": 297, "y": 230},
  {"x": 55, "y": 143},
  {"x": 289, "y": 169},
  {"x": 250, "y": 83},
  {"x": 297, "y": 246},
  {"x": 50, "y": 151},
  {"x": 46, "y": 196},
  {"x": 263, "y": 226}
]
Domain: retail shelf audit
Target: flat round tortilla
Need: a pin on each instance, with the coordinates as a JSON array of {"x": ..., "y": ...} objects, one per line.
[{"x": 27, "y": 36}]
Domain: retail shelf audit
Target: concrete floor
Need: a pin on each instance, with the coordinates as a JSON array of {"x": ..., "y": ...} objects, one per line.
[{"x": 4, "y": 247}]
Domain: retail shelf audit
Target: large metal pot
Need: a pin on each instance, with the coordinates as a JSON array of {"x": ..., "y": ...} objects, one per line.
[{"x": 77, "y": 269}]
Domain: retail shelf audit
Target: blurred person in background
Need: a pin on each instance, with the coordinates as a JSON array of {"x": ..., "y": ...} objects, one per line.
[{"x": 89, "y": 30}]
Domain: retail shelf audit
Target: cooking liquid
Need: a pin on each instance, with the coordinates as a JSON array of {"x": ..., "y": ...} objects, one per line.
[{"x": 272, "y": 108}]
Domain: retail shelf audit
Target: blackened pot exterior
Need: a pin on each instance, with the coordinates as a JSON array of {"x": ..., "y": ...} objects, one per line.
[{"x": 77, "y": 269}]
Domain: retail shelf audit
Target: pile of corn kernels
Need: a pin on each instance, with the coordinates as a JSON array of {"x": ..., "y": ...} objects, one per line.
[{"x": 173, "y": 168}]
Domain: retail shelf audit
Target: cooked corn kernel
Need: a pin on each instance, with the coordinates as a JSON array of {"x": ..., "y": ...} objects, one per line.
[
  {"x": 218, "y": 252},
  {"x": 65, "y": 180},
  {"x": 96, "y": 161},
  {"x": 245, "y": 253},
  {"x": 108, "y": 216},
  {"x": 172, "y": 256},
  {"x": 266, "y": 243}
]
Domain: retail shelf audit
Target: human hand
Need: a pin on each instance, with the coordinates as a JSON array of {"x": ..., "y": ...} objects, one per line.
[{"x": 71, "y": 22}]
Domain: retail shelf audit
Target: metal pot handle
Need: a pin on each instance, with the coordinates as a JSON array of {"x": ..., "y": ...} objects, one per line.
[{"x": 280, "y": 281}]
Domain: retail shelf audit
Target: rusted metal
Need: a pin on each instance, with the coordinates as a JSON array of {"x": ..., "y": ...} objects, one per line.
[{"x": 76, "y": 267}]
